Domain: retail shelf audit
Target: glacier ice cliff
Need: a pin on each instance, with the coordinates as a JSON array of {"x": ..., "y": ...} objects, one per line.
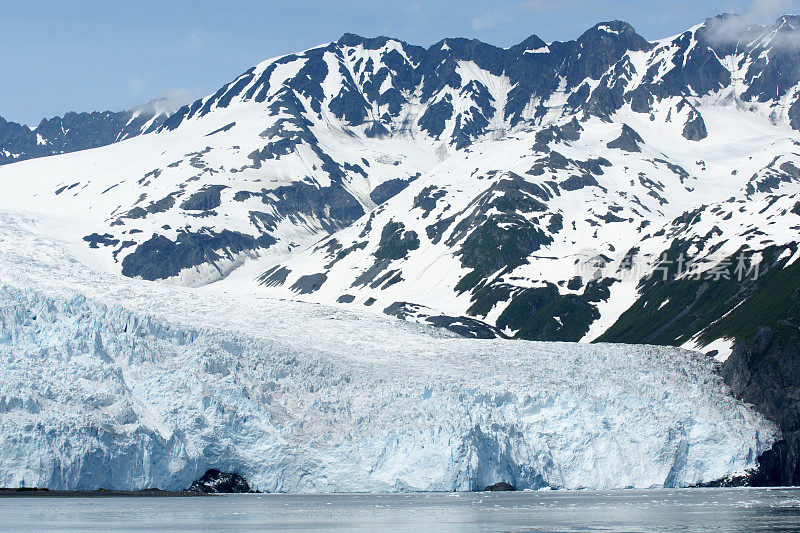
[{"x": 118, "y": 383}]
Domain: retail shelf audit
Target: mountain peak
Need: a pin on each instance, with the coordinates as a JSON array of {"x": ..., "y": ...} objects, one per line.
[
  {"x": 790, "y": 20},
  {"x": 370, "y": 43},
  {"x": 615, "y": 31},
  {"x": 534, "y": 42}
]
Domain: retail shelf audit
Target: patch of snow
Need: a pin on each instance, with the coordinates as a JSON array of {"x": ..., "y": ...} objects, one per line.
[
  {"x": 608, "y": 29},
  {"x": 540, "y": 50}
]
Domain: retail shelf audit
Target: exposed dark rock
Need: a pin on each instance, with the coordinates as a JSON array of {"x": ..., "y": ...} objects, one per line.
[
  {"x": 161, "y": 258},
  {"x": 765, "y": 371},
  {"x": 332, "y": 206},
  {"x": 216, "y": 482},
  {"x": 95, "y": 240},
  {"x": 556, "y": 223},
  {"x": 573, "y": 183},
  {"x": 160, "y": 206},
  {"x": 791, "y": 170},
  {"x": 369, "y": 275},
  {"x": 501, "y": 486},
  {"x": 427, "y": 198},
  {"x": 136, "y": 212},
  {"x": 435, "y": 231},
  {"x": 472, "y": 123},
  {"x": 773, "y": 69},
  {"x": 500, "y": 242},
  {"x": 569, "y": 132},
  {"x": 695, "y": 128},
  {"x": 628, "y": 140},
  {"x": 344, "y": 252},
  {"x": 436, "y": 116},
  {"x": 794, "y": 115},
  {"x": 349, "y": 105},
  {"x": 594, "y": 165},
  {"x": 395, "y": 242},
  {"x": 553, "y": 161},
  {"x": 572, "y": 130},
  {"x": 403, "y": 310},
  {"x": 205, "y": 199},
  {"x": 275, "y": 276},
  {"x": 389, "y": 189},
  {"x": 222, "y": 129},
  {"x": 464, "y": 326},
  {"x": 310, "y": 283},
  {"x": 678, "y": 170},
  {"x": 641, "y": 99},
  {"x": 696, "y": 69}
]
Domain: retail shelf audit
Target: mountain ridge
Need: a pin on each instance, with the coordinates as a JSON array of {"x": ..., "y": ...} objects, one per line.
[
  {"x": 414, "y": 114},
  {"x": 76, "y": 131},
  {"x": 601, "y": 189}
]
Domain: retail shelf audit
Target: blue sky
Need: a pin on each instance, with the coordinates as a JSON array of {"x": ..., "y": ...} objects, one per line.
[{"x": 82, "y": 55}]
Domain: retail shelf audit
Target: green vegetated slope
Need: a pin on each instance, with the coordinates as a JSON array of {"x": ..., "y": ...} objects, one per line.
[{"x": 672, "y": 311}]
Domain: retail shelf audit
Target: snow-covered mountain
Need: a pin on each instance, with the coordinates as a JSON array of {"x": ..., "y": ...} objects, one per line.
[
  {"x": 606, "y": 188},
  {"x": 78, "y": 131},
  {"x": 526, "y": 192},
  {"x": 123, "y": 384}
]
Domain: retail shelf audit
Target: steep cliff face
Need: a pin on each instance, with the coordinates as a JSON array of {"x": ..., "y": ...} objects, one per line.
[{"x": 764, "y": 370}]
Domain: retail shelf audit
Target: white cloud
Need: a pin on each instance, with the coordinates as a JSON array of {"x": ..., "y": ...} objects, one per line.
[
  {"x": 734, "y": 29},
  {"x": 197, "y": 37},
  {"x": 138, "y": 84},
  {"x": 490, "y": 19},
  {"x": 494, "y": 18},
  {"x": 544, "y": 6},
  {"x": 416, "y": 11},
  {"x": 172, "y": 100},
  {"x": 766, "y": 11}
]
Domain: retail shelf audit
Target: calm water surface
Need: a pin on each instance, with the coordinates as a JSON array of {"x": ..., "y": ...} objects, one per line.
[{"x": 626, "y": 510}]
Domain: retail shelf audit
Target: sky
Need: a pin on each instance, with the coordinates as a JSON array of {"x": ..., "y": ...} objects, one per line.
[{"x": 86, "y": 55}]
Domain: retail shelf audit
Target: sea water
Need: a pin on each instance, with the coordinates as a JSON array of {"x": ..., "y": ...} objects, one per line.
[{"x": 621, "y": 510}]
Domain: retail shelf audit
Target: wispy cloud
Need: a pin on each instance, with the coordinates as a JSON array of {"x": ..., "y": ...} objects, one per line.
[
  {"x": 491, "y": 19},
  {"x": 416, "y": 12},
  {"x": 197, "y": 37},
  {"x": 172, "y": 100},
  {"x": 138, "y": 84},
  {"x": 548, "y": 6},
  {"x": 494, "y": 18},
  {"x": 735, "y": 30},
  {"x": 763, "y": 11}
]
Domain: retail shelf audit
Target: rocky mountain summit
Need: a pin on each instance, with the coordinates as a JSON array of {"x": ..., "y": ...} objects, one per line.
[{"x": 76, "y": 131}]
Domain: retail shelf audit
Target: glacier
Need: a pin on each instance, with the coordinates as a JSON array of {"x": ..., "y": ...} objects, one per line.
[{"x": 122, "y": 384}]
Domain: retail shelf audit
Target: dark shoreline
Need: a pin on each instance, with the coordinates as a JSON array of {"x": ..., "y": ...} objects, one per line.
[
  {"x": 99, "y": 493},
  {"x": 156, "y": 493}
]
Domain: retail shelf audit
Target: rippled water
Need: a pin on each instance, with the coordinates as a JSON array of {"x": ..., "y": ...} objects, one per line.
[{"x": 625, "y": 510}]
